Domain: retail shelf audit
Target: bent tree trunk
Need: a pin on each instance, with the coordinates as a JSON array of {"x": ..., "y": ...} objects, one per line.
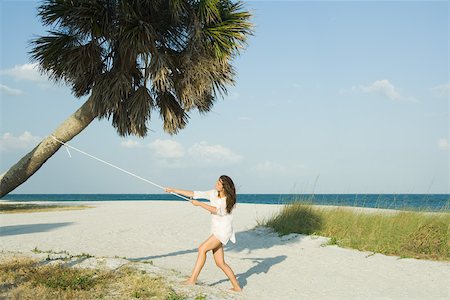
[{"x": 31, "y": 162}]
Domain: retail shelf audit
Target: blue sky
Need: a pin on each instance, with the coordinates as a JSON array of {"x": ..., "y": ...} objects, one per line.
[{"x": 330, "y": 97}]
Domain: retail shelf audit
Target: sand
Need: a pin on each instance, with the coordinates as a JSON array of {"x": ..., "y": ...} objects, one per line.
[{"x": 267, "y": 266}]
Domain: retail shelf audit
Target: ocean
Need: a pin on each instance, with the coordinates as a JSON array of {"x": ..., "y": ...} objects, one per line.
[{"x": 423, "y": 202}]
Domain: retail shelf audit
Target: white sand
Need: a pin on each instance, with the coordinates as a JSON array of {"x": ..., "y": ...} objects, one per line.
[{"x": 267, "y": 266}]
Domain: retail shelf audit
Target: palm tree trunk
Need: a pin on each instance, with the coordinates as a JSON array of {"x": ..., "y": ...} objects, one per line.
[{"x": 31, "y": 162}]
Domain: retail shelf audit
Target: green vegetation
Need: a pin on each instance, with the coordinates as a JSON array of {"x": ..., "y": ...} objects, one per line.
[
  {"x": 6, "y": 208},
  {"x": 24, "y": 278},
  {"x": 65, "y": 255},
  {"x": 405, "y": 234}
]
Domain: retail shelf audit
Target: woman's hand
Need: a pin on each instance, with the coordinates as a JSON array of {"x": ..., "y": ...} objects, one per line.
[{"x": 186, "y": 193}]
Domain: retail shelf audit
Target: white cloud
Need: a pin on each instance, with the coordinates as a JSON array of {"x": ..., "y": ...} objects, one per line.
[
  {"x": 28, "y": 72},
  {"x": 10, "y": 91},
  {"x": 131, "y": 144},
  {"x": 441, "y": 90},
  {"x": 443, "y": 144},
  {"x": 206, "y": 153},
  {"x": 269, "y": 167},
  {"x": 382, "y": 87},
  {"x": 11, "y": 142},
  {"x": 172, "y": 154},
  {"x": 167, "y": 149}
]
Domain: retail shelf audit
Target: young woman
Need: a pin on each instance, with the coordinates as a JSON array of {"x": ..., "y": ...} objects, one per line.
[{"x": 222, "y": 200}]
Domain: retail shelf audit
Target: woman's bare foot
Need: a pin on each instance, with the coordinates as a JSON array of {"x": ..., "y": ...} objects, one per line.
[
  {"x": 234, "y": 289},
  {"x": 188, "y": 282}
]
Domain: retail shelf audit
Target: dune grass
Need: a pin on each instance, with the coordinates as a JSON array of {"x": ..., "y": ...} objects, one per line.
[
  {"x": 25, "y": 278},
  {"x": 404, "y": 233},
  {"x": 7, "y": 208}
]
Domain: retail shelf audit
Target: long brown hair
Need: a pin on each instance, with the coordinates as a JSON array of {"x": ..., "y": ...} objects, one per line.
[{"x": 229, "y": 191}]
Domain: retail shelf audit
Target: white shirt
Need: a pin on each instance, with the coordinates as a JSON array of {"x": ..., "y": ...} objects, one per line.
[{"x": 222, "y": 222}]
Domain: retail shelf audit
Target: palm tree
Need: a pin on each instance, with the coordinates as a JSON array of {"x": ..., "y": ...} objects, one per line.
[{"x": 132, "y": 57}]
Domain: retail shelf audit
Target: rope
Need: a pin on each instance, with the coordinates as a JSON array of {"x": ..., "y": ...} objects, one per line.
[{"x": 114, "y": 166}]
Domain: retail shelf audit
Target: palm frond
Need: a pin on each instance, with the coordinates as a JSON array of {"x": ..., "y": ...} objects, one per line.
[
  {"x": 110, "y": 91},
  {"x": 178, "y": 8},
  {"x": 139, "y": 107},
  {"x": 171, "y": 112},
  {"x": 208, "y": 11},
  {"x": 86, "y": 17},
  {"x": 51, "y": 53},
  {"x": 62, "y": 57},
  {"x": 229, "y": 34}
]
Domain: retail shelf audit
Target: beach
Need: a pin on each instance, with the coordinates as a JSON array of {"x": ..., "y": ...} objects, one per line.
[{"x": 267, "y": 266}]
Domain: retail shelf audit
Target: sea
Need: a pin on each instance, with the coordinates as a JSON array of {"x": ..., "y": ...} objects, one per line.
[{"x": 418, "y": 202}]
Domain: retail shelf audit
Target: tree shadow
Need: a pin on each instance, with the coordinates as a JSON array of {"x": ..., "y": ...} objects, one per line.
[
  {"x": 30, "y": 228},
  {"x": 262, "y": 266}
]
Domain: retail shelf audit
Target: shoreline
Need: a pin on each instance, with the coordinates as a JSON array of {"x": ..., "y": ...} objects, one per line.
[{"x": 357, "y": 209}]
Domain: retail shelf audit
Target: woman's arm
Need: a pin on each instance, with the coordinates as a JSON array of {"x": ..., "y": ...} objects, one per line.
[
  {"x": 209, "y": 208},
  {"x": 186, "y": 193},
  {"x": 190, "y": 194}
]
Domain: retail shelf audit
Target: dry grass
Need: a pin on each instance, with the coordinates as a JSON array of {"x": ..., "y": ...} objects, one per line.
[
  {"x": 405, "y": 234},
  {"x": 24, "y": 278},
  {"x": 6, "y": 208}
]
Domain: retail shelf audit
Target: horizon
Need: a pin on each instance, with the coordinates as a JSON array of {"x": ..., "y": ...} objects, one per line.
[{"x": 236, "y": 194}]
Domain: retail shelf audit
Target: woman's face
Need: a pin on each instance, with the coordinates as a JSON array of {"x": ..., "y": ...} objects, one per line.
[{"x": 219, "y": 185}]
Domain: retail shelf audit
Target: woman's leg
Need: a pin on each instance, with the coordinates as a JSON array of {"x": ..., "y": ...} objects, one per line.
[
  {"x": 220, "y": 262},
  {"x": 211, "y": 243}
]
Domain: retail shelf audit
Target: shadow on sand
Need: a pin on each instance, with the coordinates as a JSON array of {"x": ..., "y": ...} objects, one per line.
[
  {"x": 30, "y": 228},
  {"x": 262, "y": 265}
]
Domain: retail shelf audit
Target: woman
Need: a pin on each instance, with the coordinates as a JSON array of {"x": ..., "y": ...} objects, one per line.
[{"x": 222, "y": 200}]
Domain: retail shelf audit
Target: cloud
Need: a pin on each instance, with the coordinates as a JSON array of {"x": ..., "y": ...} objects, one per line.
[
  {"x": 441, "y": 90},
  {"x": 213, "y": 154},
  {"x": 167, "y": 149},
  {"x": 26, "y": 140},
  {"x": 131, "y": 144},
  {"x": 10, "y": 91},
  {"x": 443, "y": 144},
  {"x": 172, "y": 154},
  {"x": 381, "y": 87},
  {"x": 29, "y": 72}
]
